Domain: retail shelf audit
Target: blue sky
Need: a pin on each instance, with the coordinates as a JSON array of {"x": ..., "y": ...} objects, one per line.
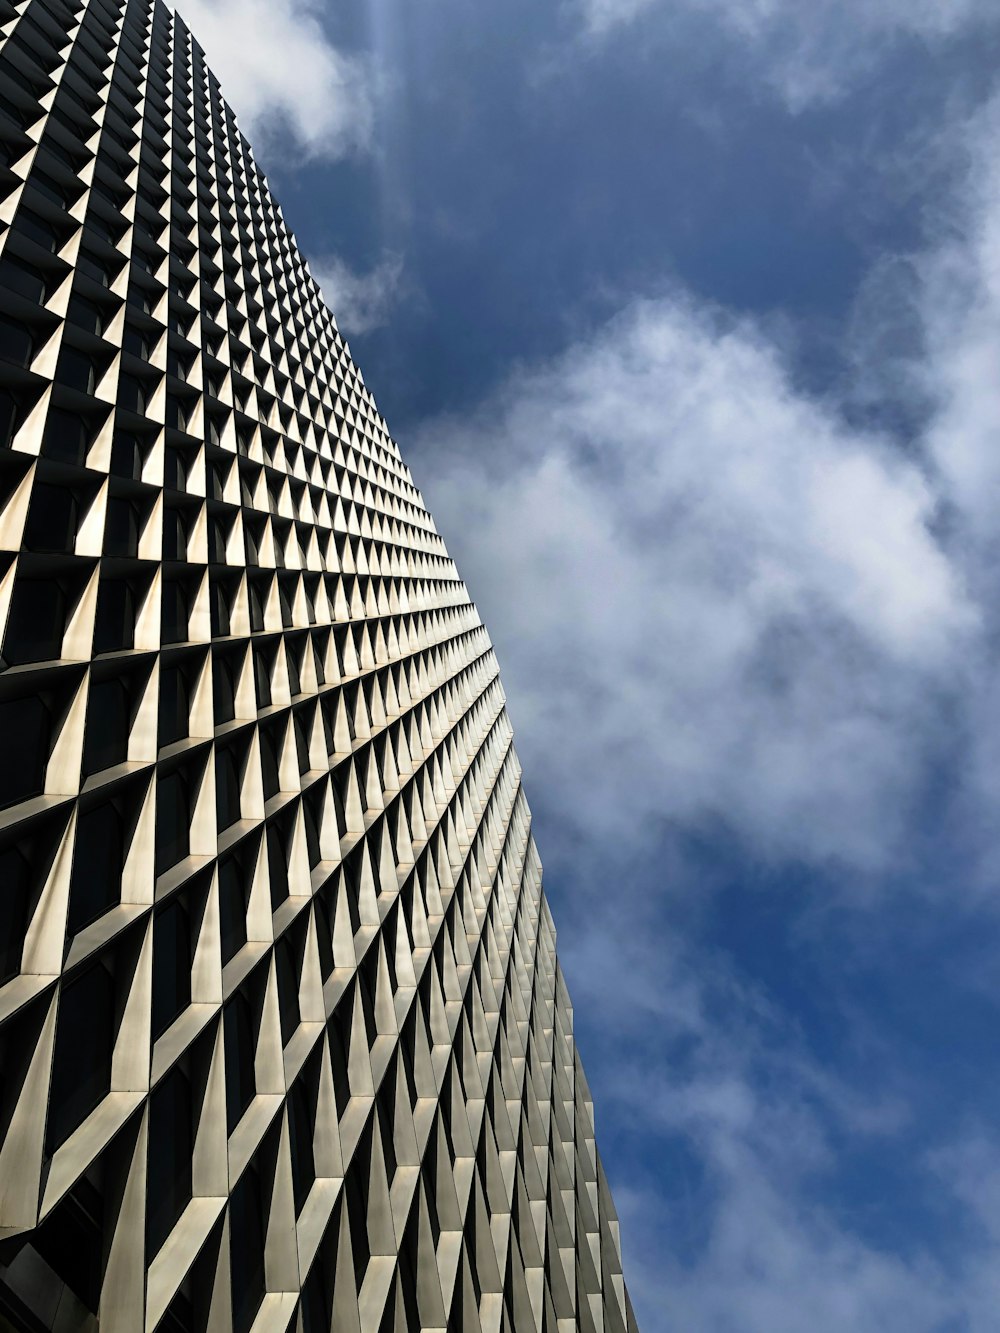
[{"x": 687, "y": 319}]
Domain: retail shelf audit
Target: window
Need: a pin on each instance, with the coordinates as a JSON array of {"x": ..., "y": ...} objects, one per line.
[
  {"x": 173, "y": 817},
  {"x": 81, "y": 1069},
  {"x": 15, "y": 876},
  {"x": 98, "y": 861},
  {"x": 16, "y": 342},
  {"x": 25, "y": 725},
  {"x": 240, "y": 1045},
  {"x": 108, "y": 724},
  {"x": 246, "y": 1231},
  {"x": 36, "y": 622},
  {"x": 301, "y": 1120},
  {"x": 66, "y": 436},
  {"x": 277, "y": 865},
  {"x": 115, "y": 624},
  {"x": 171, "y": 964},
  {"x": 234, "y": 889},
  {"x": 121, "y": 531},
  {"x": 52, "y": 518},
  {"x": 174, "y": 705},
  {"x": 227, "y": 787},
  {"x": 171, "y": 1144}
]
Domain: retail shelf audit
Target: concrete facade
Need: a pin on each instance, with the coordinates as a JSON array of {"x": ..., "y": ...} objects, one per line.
[{"x": 283, "y": 1038}]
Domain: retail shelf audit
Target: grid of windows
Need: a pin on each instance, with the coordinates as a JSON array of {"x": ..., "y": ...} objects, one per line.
[{"x": 283, "y": 1039}]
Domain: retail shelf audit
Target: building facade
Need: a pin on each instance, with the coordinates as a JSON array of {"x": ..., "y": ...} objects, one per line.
[{"x": 284, "y": 1044}]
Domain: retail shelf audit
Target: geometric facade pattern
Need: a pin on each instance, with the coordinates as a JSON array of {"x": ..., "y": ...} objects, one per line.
[{"x": 284, "y": 1044}]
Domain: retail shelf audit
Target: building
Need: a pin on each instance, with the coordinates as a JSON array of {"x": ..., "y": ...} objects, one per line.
[{"x": 283, "y": 1039}]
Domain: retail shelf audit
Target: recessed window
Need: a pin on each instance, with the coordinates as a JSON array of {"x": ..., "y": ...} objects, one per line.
[
  {"x": 98, "y": 862},
  {"x": 108, "y": 724},
  {"x": 171, "y": 964},
  {"x": 171, "y": 1144},
  {"x": 173, "y": 816},
  {"x": 36, "y": 622},
  {"x": 240, "y": 1045},
  {"x": 81, "y": 1068}
]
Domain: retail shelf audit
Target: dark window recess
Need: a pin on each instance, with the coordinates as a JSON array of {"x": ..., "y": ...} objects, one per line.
[
  {"x": 269, "y": 742},
  {"x": 174, "y": 470},
  {"x": 44, "y": 184},
  {"x": 234, "y": 889},
  {"x": 256, "y": 609},
  {"x": 114, "y": 630},
  {"x": 81, "y": 1068},
  {"x": 10, "y": 416},
  {"x": 239, "y": 1041},
  {"x": 26, "y": 727},
  {"x": 175, "y": 613},
  {"x": 84, "y": 314},
  {"x": 171, "y": 1143},
  {"x": 246, "y": 1242},
  {"x": 66, "y": 436},
  {"x": 293, "y": 660},
  {"x": 315, "y": 1306},
  {"x": 121, "y": 531},
  {"x": 221, "y": 625},
  {"x": 301, "y": 743},
  {"x": 15, "y": 879},
  {"x": 16, "y": 342},
  {"x": 262, "y": 674},
  {"x": 135, "y": 342},
  {"x": 76, "y": 370},
  {"x": 94, "y": 268},
  {"x": 108, "y": 723},
  {"x": 98, "y": 861},
  {"x": 217, "y": 536},
  {"x": 131, "y": 394},
  {"x": 223, "y": 690},
  {"x": 172, "y": 821},
  {"x": 227, "y": 788},
  {"x": 23, "y": 278},
  {"x": 277, "y": 866},
  {"x": 288, "y": 990},
  {"x": 174, "y": 535},
  {"x": 174, "y": 705},
  {"x": 36, "y": 622},
  {"x": 171, "y": 965},
  {"x": 311, "y": 821},
  {"x": 300, "y": 1127},
  {"x": 126, "y": 456},
  {"x": 30, "y": 224},
  {"x": 52, "y": 518},
  {"x": 70, "y": 1240}
]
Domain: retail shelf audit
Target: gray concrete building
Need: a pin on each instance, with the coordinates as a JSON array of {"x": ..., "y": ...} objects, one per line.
[{"x": 284, "y": 1043}]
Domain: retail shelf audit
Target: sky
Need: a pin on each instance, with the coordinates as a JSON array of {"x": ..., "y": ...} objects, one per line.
[{"x": 686, "y": 318}]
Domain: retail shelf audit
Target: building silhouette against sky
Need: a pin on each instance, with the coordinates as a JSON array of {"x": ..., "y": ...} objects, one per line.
[{"x": 283, "y": 1039}]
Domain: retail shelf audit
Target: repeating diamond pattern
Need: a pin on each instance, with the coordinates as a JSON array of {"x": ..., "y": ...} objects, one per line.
[{"x": 284, "y": 1043}]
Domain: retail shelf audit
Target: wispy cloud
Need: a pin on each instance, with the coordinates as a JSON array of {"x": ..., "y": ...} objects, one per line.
[
  {"x": 283, "y": 76},
  {"x": 808, "y": 53},
  {"x": 360, "y": 301}
]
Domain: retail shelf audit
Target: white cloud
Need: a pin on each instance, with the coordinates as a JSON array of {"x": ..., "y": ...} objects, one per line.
[
  {"x": 283, "y": 76},
  {"x": 360, "y": 301},
  {"x": 710, "y": 598},
  {"x": 808, "y": 52}
]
